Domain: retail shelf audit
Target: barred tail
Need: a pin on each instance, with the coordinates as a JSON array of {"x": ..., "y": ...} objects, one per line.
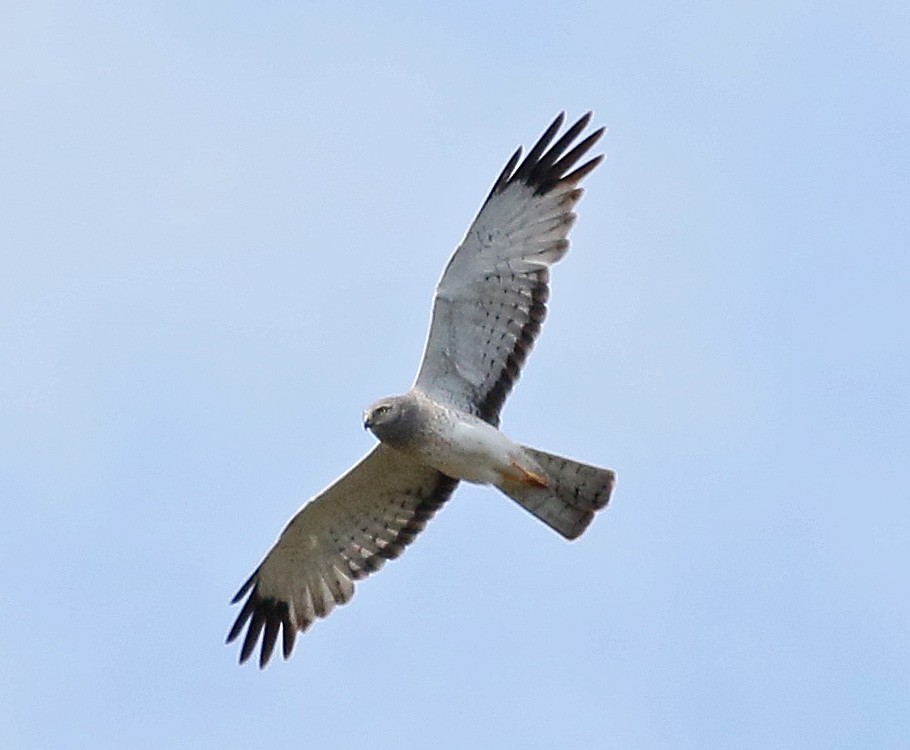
[{"x": 574, "y": 492}]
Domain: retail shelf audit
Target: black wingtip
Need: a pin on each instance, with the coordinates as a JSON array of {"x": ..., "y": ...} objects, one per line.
[
  {"x": 272, "y": 625},
  {"x": 584, "y": 170},
  {"x": 288, "y": 636},
  {"x": 245, "y": 613},
  {"x": 246, "y": 587},
  {"x": 537, "y": 150},
  {"x": 266, "y": 617},
  {"x": 257, "y": 623},
  {"x": 548, "y": 163},
  {"x": 506, "y": 173}
]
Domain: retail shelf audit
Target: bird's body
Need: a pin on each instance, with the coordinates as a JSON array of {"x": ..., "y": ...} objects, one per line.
[
  {"x": 487, "y": 312},
  {"x": 456, "y": 444}
]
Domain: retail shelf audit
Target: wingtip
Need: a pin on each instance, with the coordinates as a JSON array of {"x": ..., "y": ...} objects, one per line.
[
  {"x": 289, "y": 635},
  {"x": 245, "y": 587},
  {"x": 550, "y": 161},
  {"x": 585, "y": 119},
  {"x": 576, "y": 176}
]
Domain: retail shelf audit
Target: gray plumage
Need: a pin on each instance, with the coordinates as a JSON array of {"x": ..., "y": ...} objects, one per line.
[
  {"x": 487, "y": 312},
  {"x": 575, "y": 492}
]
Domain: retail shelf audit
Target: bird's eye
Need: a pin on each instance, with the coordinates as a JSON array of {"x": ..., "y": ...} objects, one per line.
[{"x": 382, "y": 410}]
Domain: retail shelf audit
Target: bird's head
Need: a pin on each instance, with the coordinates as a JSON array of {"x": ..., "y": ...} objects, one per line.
[
  {"x": 395, "y": 420},
  {"x": 381, "y": 416}
]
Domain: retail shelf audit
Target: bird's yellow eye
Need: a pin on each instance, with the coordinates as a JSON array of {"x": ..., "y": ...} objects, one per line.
[{"x": 381, "y": 410}]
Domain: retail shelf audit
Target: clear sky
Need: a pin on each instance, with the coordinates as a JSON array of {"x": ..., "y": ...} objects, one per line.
[{"x": 220, "y": 227}]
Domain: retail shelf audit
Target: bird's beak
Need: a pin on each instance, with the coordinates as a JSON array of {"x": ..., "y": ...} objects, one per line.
[{"x": 367, "y": 422}]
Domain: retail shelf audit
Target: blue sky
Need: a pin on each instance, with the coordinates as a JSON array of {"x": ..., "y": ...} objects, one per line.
[{"x": 220, "y": 228}]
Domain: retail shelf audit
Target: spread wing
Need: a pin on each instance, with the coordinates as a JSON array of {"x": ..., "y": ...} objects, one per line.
[
  {"x": 491, "y": 299},
  {"x": 345, "y": 533}
]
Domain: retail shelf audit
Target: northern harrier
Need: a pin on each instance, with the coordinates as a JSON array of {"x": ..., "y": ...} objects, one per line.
[{"x": 488, "y": 308}]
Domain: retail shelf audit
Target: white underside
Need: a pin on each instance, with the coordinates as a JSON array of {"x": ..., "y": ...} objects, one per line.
[{"x": 476, "y": 452}]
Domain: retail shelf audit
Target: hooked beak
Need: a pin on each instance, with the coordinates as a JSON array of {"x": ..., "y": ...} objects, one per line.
[{"x": 367, "y": 420}]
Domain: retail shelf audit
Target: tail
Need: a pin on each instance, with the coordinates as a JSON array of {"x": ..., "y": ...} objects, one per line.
[{"x": 573, "y": 493}]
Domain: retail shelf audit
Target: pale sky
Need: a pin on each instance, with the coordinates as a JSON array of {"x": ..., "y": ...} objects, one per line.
[{"x": 220, "y": 228}]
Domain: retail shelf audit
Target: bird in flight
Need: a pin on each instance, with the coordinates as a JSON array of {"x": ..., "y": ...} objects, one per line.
[{"x": 487, "y": 312}]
